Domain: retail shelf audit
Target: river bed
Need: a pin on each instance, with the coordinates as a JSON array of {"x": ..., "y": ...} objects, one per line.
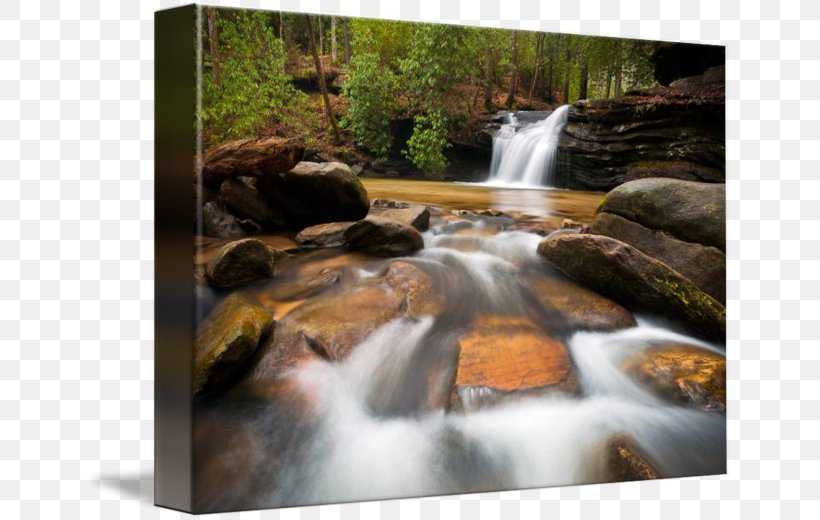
[{"x": 379, "y": 422}]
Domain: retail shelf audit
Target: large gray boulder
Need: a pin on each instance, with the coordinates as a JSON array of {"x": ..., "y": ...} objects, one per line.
[
  {"x": 690, "y": 211},
  {"x": 242, "y": 261},
  {"x": 245, "y": 201},
  {"x": 315, "y": 193}
]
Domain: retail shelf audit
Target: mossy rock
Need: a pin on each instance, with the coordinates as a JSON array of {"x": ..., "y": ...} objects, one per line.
[{"x": 637, "y": 281}]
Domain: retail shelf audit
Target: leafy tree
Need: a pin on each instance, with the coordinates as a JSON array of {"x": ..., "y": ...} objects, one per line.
[
  {"x": 251, "y": 86},
  {"x": 371, "y": 90},
  {"x": 426, "y": 146}
]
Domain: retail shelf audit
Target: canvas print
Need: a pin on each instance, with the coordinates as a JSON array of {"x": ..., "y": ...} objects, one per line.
[{"x": 433, "y": 259}]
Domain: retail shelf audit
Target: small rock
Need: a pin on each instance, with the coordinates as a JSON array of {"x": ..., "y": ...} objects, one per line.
[
  {"x": 242, "y": 261},
  {"x": 383, "y": 237},
  {"x": 225, "y": 342},
  {"x": 415, "y": 215},
  {"x": 323, "y": 235},
  {"x": 626, "y": 462},
  {"x": 357, "y": 169},
  {"x": 569, "y": 223},
  {"x": 216, "y": 222},
  {"x": 536, "y": 227}
]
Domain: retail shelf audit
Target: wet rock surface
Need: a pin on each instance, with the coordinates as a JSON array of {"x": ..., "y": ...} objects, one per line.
[
  {"x": 628, "y": 276},
  {"x": 383, "y": 236},
  {"x": 242, "y": 261}
]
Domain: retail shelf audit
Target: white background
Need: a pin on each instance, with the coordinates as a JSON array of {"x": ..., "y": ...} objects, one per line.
[{"x": 76, "y": 259}]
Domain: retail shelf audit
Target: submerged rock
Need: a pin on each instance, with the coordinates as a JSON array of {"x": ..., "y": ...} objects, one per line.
[
  {"x": 225, "y": 342},
  {"x": 502, "y": 355},
  {"x": 625, "y": 461},
  {"x": 579, "y": 308},
  {"x": 242, "y": 261},
  {"x": 383, "y": 237},
  {"x": 323, "y": 235},
  {"x": 621, "y": 272},
  {"x": 329, "y": 326},
  {"x": 315, "y": 193},
  {"x": 684, "y": 374},
  {"x": 705, "y": 266},
  {"x": 216, "y": 222},
  {"x": 691, "y": 211},
  {"x": 414, "y": 215}
]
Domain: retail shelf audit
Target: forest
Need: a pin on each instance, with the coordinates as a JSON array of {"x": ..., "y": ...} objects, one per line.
[{"x": 340, "y": 85}]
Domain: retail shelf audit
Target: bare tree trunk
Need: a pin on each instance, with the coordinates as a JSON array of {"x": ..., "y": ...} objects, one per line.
[
  {"x": 213, "y": 42},
  {"x": 321, "y": 75},
  {"x": 608, "y": 81},
  {"x": 514, "y": 76},
  {"x": 333, "y": 53},
  {"x": 488, "y": 78},
  {"x": 549, "y": 83},
  {"x": 346, "y": 25},
  {"x": 618, "y": 79},
  {"x": 539, "y": 49},
  {"x": 567, "y": 58},
  {"x": 321, "y": 37},
  {"x": 282, "y": 28}
]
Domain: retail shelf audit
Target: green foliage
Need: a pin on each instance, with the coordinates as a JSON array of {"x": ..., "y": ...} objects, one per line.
[
  {"x": 426, "y": 146},
  {"x": 252, "y": 86},
  {"x": 434, "y": 65},
  {"x": 371, "y": 90}
]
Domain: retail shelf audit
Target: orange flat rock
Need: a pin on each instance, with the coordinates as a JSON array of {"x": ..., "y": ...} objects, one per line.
[{"x": 510, "y": 353}]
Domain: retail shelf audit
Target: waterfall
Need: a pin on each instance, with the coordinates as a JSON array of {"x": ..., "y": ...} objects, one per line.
[{"x": 527, "y": 156}]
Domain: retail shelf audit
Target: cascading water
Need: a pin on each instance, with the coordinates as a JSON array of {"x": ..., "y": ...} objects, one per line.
[
  {"x": 374, "y": 426},
  {"x": 526, "y": 156}
]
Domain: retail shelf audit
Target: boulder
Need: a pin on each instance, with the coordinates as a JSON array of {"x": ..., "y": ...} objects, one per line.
[
  {"x": 414, "y": 215},
  {"x": 690, "y": 211},
  {"x": 216, "y": 222},
  {"x": 316, "y": 193},
  {"x": 330, "y": 325},
  {"x": 637, "y": 281},
  {"x": 625, "y": 461},
  {"x": 383, "y": 237},
  {"x": 250, "y": 158},
  {"x": 323, "y": 235},
  {"x": 502, "y": 355},
  {"x": 225, "y": 342},
  {"x": 659, "y": 132},
  {"x": 682, "y": 373},
  {"x": 242, "y": 261},
  {"x": 202, "y": 195},
  {"x": 579, "y": 308},
  {"x": 705, "y": 266},
  {"x": 533, "y": 226},
  {"x": 244, "y": 201}
]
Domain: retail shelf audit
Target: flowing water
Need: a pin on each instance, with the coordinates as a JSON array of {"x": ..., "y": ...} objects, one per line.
[
  {"x": 368, "y": 429},
  {"x": 524, "y": 155}
]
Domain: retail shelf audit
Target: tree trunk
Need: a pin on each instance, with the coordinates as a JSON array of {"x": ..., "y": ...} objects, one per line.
[
  {"x": 567, "y": 57},
  {"x": 618, "y": 79},
  {"x": 213, "y": 42},
  {"x": 549, "y": 83},
  {"x": 321, "y": 75},
  {"x": 488, "y": 78},
  {"x": 608, "y": 81},
  {"x": 583, "y": 82},
  {"x": 321, "y": 38},
  {"x": 346, "y": 25},
  {"x": 250, "y": 158},
  {"x": 282, "y": 28},
  {"x": 539, "y": 49},
  {"x": 514, "y": 76},
  {"x": 333, "y": 49}
]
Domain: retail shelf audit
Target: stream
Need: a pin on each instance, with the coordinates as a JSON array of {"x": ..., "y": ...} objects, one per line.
[{"x": 366, "y": 428}]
